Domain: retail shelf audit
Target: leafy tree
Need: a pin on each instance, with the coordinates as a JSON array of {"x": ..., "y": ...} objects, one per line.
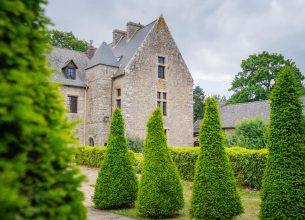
[
  {"x": 37, "y": 178},
  {"x": 284, "y": 178},
  {"x": 214, "y": 193},
  {"x": 198, "y": 98},
  {"x": 135, "y": 143},
  {"x": 67, "y": 40},
  {"x": 248, "y": 133},
  {"x": 219, "y": 98},
  {"x": 160, "y": 192},
  {"x": 116, "y": 185},
  {"x": 257, "y": 78}
]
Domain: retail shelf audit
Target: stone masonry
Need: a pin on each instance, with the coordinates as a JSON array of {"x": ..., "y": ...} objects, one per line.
[{"x": 125, "y": 73}]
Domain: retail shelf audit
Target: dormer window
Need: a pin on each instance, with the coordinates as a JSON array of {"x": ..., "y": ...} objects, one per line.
[
  {"x": 69, "y": 69},
  {"x": 70, "y": 73}
]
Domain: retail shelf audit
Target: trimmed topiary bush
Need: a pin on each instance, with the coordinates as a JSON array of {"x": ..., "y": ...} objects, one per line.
[
  {"x": 37, "y": 179},
  {"x": 160, "y": 191},
  {"x": 214, "y": 194},
  {"x": 283, "y": 192},
  {"x": 116, "y": 185}
]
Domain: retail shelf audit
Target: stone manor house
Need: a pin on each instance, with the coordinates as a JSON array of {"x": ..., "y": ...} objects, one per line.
[{"x": 141, "y": 69}]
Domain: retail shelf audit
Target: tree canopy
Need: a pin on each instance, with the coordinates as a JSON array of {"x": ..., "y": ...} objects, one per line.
[
  {"x": 198, "y": 97},
  {"x": 67, "y": 40},
  {"x": 257, "y": 78}
]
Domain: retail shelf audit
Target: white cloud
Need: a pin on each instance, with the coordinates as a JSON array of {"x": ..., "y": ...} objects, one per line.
[{"x": 213, "y": 35}]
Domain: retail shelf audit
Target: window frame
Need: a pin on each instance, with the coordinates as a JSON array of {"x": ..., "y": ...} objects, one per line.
[
  {"x": 72, "y": 103},
  {"x": 161, "y": 66},
  {"x": 162, "y": 102}
]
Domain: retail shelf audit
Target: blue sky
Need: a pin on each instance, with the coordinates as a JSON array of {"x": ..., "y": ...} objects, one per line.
[{"x": 212, "y": 35}]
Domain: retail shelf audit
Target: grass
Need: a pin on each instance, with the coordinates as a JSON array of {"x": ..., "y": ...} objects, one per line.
[{"x": 250, "y": 200}]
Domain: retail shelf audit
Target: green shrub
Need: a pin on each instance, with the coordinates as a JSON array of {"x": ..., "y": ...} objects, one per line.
[
  {"x": 283, "y": 191},
  {"x": 116, "y": 185},
  {"x": 214, "y": 194},
  {"x": 248, "y": 165},
  {"x": 135, "y": 144},
  {"x": 160, "y": 192},
  {"x": 248, "y": 133},
  {"x": 37, "y": 179}
]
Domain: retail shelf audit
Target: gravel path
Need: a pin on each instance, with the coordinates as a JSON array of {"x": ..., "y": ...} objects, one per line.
[{"x": 88, "y": 190}]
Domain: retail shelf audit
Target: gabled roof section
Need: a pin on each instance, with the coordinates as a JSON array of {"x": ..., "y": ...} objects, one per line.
[
  {"x": 126, "y": 48},
  {"x": 103, "y": 55},
  {"x": 58, "y": 58}
]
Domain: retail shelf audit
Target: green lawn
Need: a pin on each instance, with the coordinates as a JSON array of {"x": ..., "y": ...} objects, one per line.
[{"x": 250, "y": 200}]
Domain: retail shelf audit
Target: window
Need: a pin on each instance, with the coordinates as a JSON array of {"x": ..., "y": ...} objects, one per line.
[
  {"x": 161, "y": 67},
  {"x": 91, "y": 142},
  {"x": 159, "y": 95},
  {"x": 162, "y": 102},
  {"x": 118, "y": 92},
  {"x": 164, "y": 108},
  {"x": 72, "y": 104},
  {"x": 118, "y": 103},
  {"x": 70, "y": 73}
]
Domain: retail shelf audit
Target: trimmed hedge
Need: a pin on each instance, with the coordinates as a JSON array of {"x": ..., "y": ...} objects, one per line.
[
  {"x": 248, "y": 165},
  {"x": 92, "y": 156}
]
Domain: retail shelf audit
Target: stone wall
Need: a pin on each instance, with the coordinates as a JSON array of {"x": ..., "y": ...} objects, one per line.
[
  {"x": 80, "y": 93},
  {"x": 98, "y": 79},
  {"x": 141, "y": 85}
]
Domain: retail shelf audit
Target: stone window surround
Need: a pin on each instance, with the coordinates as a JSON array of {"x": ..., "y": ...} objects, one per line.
[
  {"x": 165, "y": 65},
  {"x": 72, "y": 109},
  {"x": 161, "y": 100}
]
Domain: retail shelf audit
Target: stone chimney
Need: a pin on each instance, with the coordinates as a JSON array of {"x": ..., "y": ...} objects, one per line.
[
  {"x": 90, "y": 50},
  {"x": 117, "y": 35},
  {"x": 132, "y": 28}
]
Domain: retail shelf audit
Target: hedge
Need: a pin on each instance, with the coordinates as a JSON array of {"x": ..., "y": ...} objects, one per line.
[
  {"x": 248, "y": 165},
  {"x": 92, "y": 156}
]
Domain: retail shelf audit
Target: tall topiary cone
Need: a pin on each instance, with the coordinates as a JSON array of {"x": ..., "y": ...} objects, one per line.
[
  {"x": 37, "y": 177},
  {"x": 160, "y": 191},
  {"x": 116, "y": 185},
  {"x": 214, "y": 194},
  {"x": 283, "y": 189}
]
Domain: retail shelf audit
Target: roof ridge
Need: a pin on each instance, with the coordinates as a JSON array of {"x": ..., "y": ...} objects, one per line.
[{"x": 84, "y": 53}]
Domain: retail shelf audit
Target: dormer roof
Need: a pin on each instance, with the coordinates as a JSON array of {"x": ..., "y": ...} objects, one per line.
[{"x": 67, "y": 64}]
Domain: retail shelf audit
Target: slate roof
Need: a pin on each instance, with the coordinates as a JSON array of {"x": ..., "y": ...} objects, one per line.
[
  {"x": 232, "y": 114},
  {"x": 127, "y": 48},
  {"x": 103, "y": 55},
  {"x": 58, "y": 59}
]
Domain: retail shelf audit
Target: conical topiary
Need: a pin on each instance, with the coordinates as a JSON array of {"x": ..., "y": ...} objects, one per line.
[
  {"x": 160, "y": 192},
  {"x": 283, "y": 189},
  {"x": 37, "y": 176},
  {"x": 116, "y": 185},
  {"x": 214, "y": 194}
]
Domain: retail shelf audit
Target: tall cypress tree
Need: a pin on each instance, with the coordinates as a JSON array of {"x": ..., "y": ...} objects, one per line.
[
  {"x": 116, "y": 185},
  {"x": 160, "y": 191},
  {"x": 214, "y": 193},
  {"x": 283, "y": 190},
  {"x": 37, "y": 179}
]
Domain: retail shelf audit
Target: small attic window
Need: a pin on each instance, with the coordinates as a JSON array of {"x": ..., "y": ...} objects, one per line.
[
  {"x": 69, "y": 70},
  {"x": 70, "y": 73}
]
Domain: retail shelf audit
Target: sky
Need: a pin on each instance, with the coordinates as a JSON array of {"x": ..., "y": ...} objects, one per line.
[{"x": 214, "y": 36}]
